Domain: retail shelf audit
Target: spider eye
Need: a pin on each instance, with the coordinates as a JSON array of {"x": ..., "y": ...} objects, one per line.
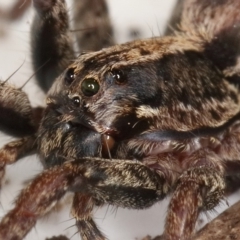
[
  {"x": 119, "y": 77},
  {"x": 69, "y": 76},
  {"x": 76, "y": 101},
  {"x": 90, "y": 87}
]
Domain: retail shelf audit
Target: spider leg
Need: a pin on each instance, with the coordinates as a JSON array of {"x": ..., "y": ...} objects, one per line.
[
  {"x": 18, "y": 118},
  {"x": 92, "y": 25},
  {"x": 52, "y": 48},
  {"x": 16, "y": 11},
  {"x": 200, "y": 187},
  {"x": 52, "y": 41},
  {"x": 173, "y": 23},
  {"x": 34, "y": 201},
  {"x": 122, "y": 183},
  {"x": 225, "y": 226},
  {"x": 15, "y": 150},
  {"x": 82, "y": 208},
  {"x": 61, "y": 237}
]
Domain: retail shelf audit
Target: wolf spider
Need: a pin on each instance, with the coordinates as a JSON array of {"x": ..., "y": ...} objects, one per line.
[{"x": 130, "y": 124}]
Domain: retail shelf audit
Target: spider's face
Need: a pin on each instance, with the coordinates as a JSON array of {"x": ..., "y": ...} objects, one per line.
[
  {"x": 104, "y": 97},
  {"x": 126, "y": 92},
  {"x": 128, "y": 89}
]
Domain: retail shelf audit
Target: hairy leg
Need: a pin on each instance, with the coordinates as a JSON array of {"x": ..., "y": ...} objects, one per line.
[
  {"x": 16, "y": 11},
  {"x": 225, "y": 226},
  {"x": 122, "y": 183},
  {"x": 52, "y": 40},
  {"x": 92, "y": 25},
  {"x": 52, "y": 47},
  {"x": 82, "y": 208},
  {"x": 15, "y": 150},
  {"x": 18, "y": 118},
  {"x": 200, "y": 187}
]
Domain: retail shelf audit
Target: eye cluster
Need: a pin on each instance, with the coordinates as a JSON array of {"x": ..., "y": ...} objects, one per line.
[{"x": 89, "y": 86}]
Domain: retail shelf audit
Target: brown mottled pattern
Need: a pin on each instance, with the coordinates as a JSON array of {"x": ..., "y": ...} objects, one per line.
[
  {"x": 169, "y": 104},
  {"x": 224, "y": 227}
]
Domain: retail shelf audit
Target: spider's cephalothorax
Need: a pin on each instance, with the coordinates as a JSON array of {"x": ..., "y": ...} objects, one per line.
[{"x": 132, "y": 123}]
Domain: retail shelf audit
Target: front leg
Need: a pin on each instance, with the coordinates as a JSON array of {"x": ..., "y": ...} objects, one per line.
[
  {"x": 122, "y": 183},
  {"x": 197, "y": 189},
  {"x": 82, "y": 208},
  {"x": 13, "y": 151}
]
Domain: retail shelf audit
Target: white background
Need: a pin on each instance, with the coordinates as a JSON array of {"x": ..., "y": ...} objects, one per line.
[{"x": 149, "y": 17}]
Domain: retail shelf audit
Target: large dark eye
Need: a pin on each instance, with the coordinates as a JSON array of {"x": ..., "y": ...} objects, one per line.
[
  {"x": 69, "y": 76},
  {"x": 119, "y": 77},
  {"x": 90, "y": 87}
]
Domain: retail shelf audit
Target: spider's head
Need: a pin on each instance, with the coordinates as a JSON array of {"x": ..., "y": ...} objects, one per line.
[
  {"x": 179, "y": 83},
  {"x": 165, "y": 83}
]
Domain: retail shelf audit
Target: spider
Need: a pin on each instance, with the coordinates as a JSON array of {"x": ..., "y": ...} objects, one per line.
[{"x": 130, "y": 124}]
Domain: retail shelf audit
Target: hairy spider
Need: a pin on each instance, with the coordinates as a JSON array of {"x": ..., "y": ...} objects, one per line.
[{"x": 130, "y": 124}]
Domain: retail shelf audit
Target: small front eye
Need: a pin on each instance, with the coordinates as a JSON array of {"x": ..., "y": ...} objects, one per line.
[
  {"x": 90, "y": 87},
  {"x": 69, "y": 76},
  {"x": 76, "y": 101},
  {"x": 119, "y": 77}
]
